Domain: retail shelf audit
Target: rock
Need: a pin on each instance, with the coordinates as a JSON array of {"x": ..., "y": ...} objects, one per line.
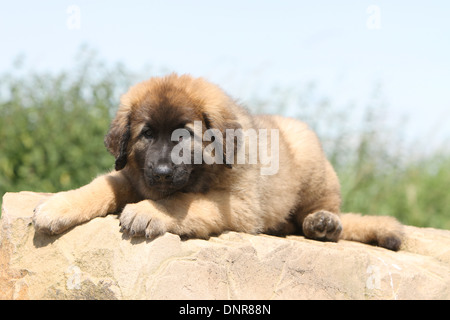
[{"x": 96, "y": 261}]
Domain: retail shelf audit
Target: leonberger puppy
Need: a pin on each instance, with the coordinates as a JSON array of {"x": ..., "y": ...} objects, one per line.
[{"x": 191, "y": 161}]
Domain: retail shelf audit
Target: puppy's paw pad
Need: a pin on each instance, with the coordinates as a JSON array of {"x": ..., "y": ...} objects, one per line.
[{"x": 322, "y": 225}]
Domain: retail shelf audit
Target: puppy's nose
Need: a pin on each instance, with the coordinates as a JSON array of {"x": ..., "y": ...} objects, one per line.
[{"x": 163, "y": 173}]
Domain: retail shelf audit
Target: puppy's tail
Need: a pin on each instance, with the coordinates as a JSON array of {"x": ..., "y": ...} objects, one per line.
[{"x": 381, "y": 231}]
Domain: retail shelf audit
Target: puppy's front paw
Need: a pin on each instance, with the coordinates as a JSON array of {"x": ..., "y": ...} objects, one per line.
[
  {"x": 141, "y": 219},
  {"x": 322, "y": 225},
  {"x": 53, "y": 216}
]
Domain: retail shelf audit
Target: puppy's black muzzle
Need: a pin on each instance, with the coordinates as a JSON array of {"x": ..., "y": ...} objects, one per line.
[{"x": 163, "y": 173}]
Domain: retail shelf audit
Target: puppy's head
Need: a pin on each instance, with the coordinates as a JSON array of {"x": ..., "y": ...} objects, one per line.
[{"x": 141, "y": 136}]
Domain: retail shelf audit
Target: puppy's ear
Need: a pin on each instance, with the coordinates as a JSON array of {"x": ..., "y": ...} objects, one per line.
[
  {"x": 210, "y": 123},
  {"x": 116, "y": 141}
]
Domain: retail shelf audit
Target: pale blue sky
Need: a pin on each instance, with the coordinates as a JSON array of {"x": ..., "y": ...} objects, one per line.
[{"x": 248, "y": 46}]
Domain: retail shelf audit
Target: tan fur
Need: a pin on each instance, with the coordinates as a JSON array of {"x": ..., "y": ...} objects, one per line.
[{"x": 304, "y": 196}]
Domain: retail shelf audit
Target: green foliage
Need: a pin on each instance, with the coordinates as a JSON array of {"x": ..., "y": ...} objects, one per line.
[
  {"x": 417, "y": 194},
  {"x": 380, "y": 172},
  {"x": 52, "y": 128}
]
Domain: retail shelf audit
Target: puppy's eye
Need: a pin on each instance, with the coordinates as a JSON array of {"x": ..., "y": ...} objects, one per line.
[
  {"x": 148, "y": 133},
  {"x": 191, "y": 132}
]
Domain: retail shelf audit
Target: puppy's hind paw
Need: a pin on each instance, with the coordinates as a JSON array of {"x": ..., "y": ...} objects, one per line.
[{"x": 322, "y": 225}]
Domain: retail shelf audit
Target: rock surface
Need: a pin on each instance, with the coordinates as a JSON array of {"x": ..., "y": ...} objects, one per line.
[{"x": 96, "y": 261}]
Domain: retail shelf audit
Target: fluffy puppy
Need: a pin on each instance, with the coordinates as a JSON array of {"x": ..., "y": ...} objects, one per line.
[{"x": 255, "y": 174}]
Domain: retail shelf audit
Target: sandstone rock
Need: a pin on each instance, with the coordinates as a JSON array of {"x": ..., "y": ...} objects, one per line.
[{"x": 96, "y": 261}]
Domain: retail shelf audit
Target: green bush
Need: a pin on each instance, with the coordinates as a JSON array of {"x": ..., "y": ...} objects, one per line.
[
  {"x": 417, "y": 194},
  {"x": 380, "y": 172},
  {"x": 52, "y": 128}
]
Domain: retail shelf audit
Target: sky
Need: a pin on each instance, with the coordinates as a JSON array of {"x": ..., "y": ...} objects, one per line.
[{"x": 345, "y": 47}]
